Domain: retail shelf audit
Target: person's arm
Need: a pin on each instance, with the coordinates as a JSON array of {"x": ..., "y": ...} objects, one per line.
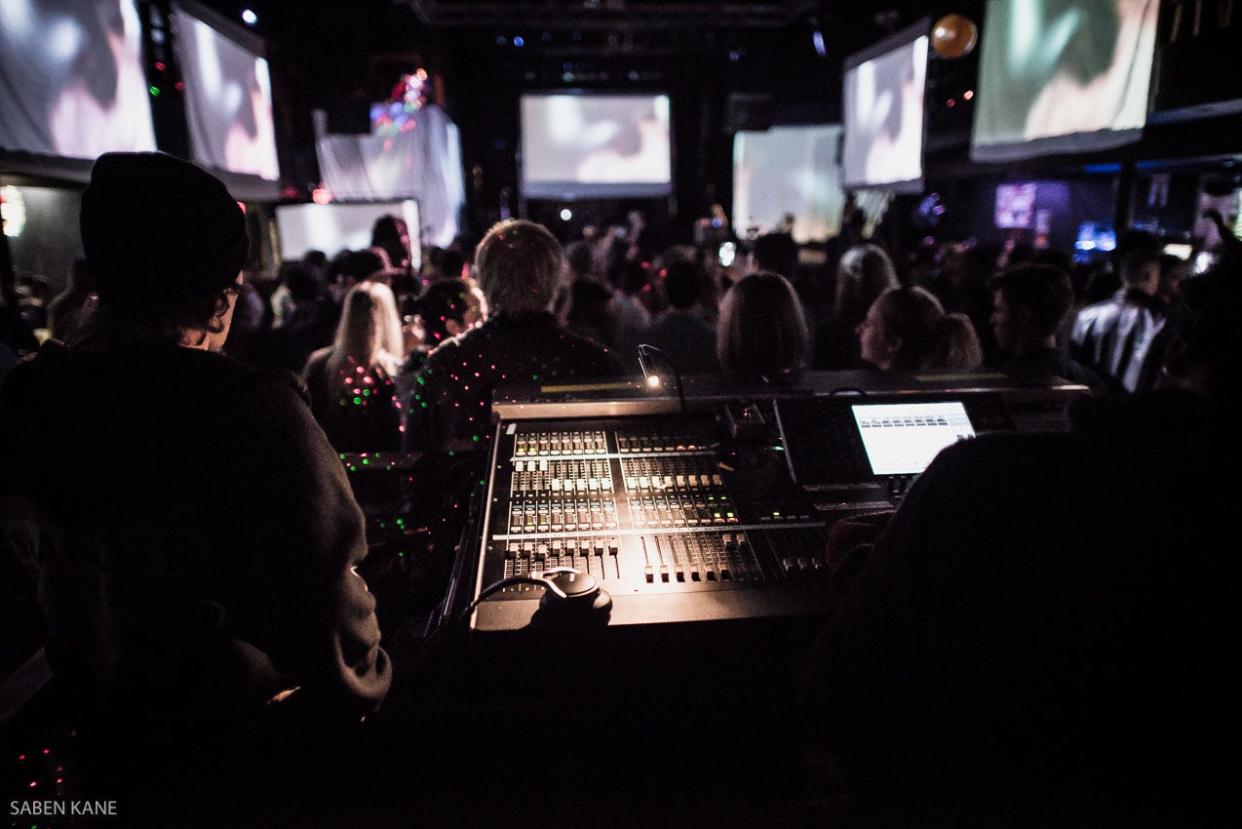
[{"x": 311, "y": 611}]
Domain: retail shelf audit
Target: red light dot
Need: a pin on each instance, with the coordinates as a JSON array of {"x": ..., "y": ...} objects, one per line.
[
  {"x": 160, "y": 66},
  {"x": 952, "y": 102},
  {"x": 179, "y": 86},
  {"x": 968, "y": 94},
  {"x": 34, "y": 784}
]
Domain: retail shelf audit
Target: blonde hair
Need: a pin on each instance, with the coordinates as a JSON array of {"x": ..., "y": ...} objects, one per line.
[
  {"x": 762, "y": 329},
  {"x": 369, "y": 333}
]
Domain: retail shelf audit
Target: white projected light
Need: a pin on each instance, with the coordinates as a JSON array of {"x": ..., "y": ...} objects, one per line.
[
  {"x": 72, "y": 82},
  {"x": 788, "y": 170},
  {"x": 884, "y": 112},
  {"x": 586, "y": 146},
  {"x": 228, "y": 92},
  {"x": 332, "y": 228},
  {"x": 903, "y": 438},
  {"x": 1060, "y": 76}
]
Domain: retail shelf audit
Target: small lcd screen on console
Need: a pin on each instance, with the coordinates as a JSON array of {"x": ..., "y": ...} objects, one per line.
[{"x": 903, "y": 438}]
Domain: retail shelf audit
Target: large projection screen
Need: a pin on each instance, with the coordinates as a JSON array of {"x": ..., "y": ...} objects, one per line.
[
  {"x": 228, "y": 100},
  {"x": 884, "y": 116},
  {"x": 1062, "y": 76},
  {"x": 332, "y": 228},
  {"x": 595, "y": 146},
  {"x": 71, "y": 78},
  {"x": 788, "y": 170}
]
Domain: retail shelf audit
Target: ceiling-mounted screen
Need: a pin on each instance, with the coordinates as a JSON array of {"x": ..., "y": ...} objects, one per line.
[
  {"x": 71, "y": 78},
  {"x": 228, "y": 99},
  {"x": 1062, "y": 76},
  {"x": 595, "y": 146},
  {"x": 884, "y": 112},
  {"x": 788, "y": 170}
]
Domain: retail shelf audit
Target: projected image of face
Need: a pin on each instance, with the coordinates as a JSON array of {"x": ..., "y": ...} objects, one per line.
[
  {"x": 884, "y": 117},
  {"x": 228, "y": 101},
  {"x": 590, "y": 143},
  {"x": 1054, "y": 68},
  {"x": 73, "y": 78}
]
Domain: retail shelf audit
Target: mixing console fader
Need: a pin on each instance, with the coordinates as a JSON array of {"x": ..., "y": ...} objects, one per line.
[{"x": 652, "y": 510}]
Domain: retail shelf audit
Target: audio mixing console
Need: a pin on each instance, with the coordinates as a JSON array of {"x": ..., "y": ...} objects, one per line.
[{"x": 691, "y": 517}]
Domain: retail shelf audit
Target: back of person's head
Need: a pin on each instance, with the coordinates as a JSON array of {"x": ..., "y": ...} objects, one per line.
[
  {"x": 762, "y": 330},
  {"x": 1042, "y": 292},
  {"x": 775, "y": 252},
  {"x": 166, "y": 244},
  {"x": 391, "y": 235},
  {"x": 865, "y": 272},
  {"x": 916, "y": 334},
  {"x": 519, "y": 265},
  {"x": 445, "y": 263},
  {"x": 1140, "y": 268},
  {"x": 301, "y": 281},
  {"x": 359, "y": 265},
  {"x": 683, "y": 284},
  {"x": 316, "y": 259},
  {"x": 444, "y": 308},
  {"x": 581, "y": 260},
  {"x": 362, "y": 334}
]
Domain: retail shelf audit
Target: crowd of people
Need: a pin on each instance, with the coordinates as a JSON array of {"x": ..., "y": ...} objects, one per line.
[{"x": 131, "y": 433}]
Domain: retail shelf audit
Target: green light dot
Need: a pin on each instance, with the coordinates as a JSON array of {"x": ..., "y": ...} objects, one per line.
[
  {"x": 155, "y": 91},
  {"x": 424, "y": 404},
  {"x": 366, "y": 392},
  {"x": 474, "y": 438},
  {"x": 367, "y": 462},
  {"x": 357, "y": 401}
]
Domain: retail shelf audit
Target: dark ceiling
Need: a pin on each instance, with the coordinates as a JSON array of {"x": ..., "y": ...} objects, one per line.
[{"x": 611, "y": 14}]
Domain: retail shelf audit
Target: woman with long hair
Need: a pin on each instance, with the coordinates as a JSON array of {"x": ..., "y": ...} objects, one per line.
[
  {"x": 351, "y": 382},
  {"x": 762, "y": 331},
  {"x": 906, "y": 329},
  {"x": 865, "y": 272}
]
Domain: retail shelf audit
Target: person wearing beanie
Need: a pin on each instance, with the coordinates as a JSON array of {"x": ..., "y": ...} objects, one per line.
[{"x": 197, "y": 536}]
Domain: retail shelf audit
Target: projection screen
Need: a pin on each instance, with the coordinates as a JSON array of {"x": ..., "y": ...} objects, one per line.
[
  {"x": 71, "y": 78},
  {"x": 595, "y": 146},
  {"x": 1062, "y": 76}
]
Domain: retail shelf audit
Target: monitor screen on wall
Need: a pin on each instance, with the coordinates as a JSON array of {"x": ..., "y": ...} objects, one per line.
[
  {"x": 1062, "y": 76},
  {"x": 595, "y": 146},
  {"x": 71, "y": 78},
  {"x": 228, "y": 99},
  {"x": 884, "y": 114}
]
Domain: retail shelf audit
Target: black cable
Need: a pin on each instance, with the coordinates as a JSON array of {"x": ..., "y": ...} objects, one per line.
[{"x": 645, "y": 351}]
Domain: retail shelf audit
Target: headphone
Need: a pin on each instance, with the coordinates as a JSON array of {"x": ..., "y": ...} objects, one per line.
[{"x": 567, "y": 592}]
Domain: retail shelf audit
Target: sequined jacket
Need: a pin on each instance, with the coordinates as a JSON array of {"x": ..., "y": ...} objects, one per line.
[{"x": 450, "y": 406}]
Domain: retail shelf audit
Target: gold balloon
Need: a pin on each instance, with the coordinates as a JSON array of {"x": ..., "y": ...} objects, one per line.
[{"x": 954, "y": 36}]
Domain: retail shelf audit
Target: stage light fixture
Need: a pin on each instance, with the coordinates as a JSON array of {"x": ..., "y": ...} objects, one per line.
[{"x": 249, "y": 17}]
